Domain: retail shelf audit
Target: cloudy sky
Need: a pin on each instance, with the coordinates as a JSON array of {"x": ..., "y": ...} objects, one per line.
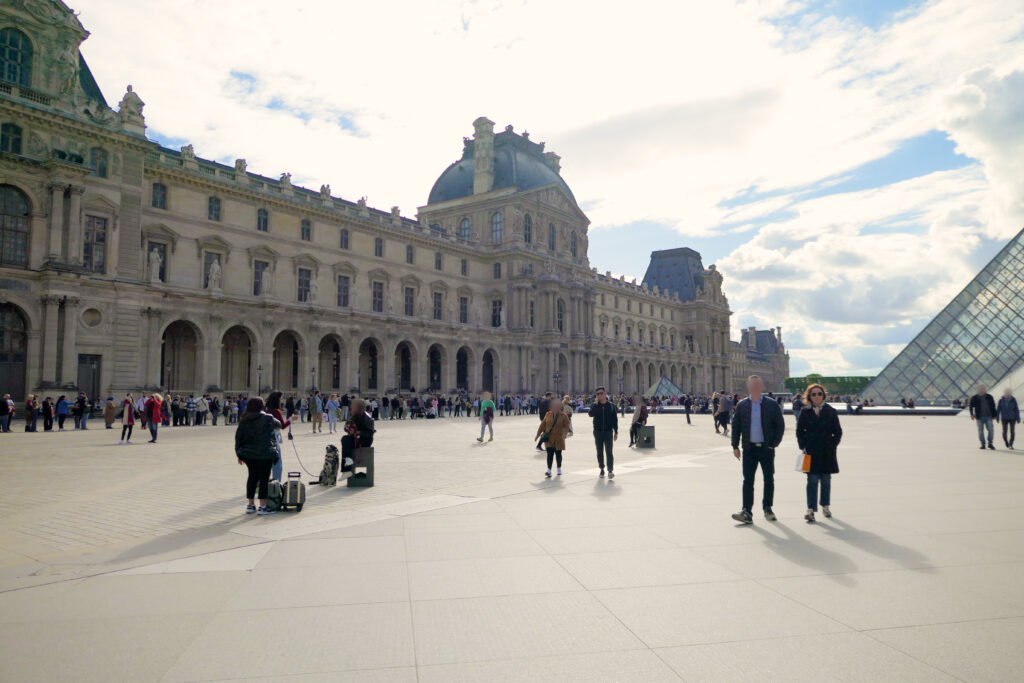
[{"x": 849, "y": 165}]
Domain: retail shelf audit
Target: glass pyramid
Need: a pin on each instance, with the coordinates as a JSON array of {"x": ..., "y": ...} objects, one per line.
[
  {"x": 664, "y": 388},
  {"x": 977, "y": 338}
]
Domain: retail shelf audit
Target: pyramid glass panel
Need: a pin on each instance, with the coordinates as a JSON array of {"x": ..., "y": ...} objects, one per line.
[{"x": 977, "y": 338}]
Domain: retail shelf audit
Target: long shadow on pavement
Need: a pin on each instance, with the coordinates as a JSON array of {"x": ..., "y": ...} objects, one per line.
[
  {"x": 799, "y": 550},
  {"x": 871, "y": 542}
]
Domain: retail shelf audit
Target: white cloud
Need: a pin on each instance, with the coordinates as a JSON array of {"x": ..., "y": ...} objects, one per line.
[{"x": 661, "y": 112}]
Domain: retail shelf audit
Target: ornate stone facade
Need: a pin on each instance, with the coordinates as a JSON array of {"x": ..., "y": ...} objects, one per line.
[{"x": 146, "y": 267}]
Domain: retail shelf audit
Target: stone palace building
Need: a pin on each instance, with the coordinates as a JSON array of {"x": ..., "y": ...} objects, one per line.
[{"x": 126, "y": 265}]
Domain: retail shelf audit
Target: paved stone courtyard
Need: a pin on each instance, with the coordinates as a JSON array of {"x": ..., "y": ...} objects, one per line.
[{"x": 464, "y": 564}]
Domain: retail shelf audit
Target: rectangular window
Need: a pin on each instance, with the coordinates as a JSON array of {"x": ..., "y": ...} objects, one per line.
[
  {"x": 464, "y": 268},
  {"x": 161, "y": 249},
  {"x": 344, "y": 239},
  {"x": 213, "y": 209},
  {"x": 305, "y": 230},
  {"x": 531, "y": 313},
  {"x": 629, "y": 304},
  {"x": 438, "y": 261},
  {"x": 378, "y": 297},
  {"x": 262, "y": 220},
  {"x": 629, "y": 334},
  {"x": 305, "y": 276},
  {"x": 209, "y": 258},
  {"x": 343, "y": 291},
  {"x": 438, "y": 306},
  {"x": 602, "y": 299},
  {"x": 257, "y": 276},
  {"x": 98, "y": 161},
  {"x": 496, "y": 313},
  {"x": 378, "y": 248},
  {"x": 410, "y": 255},
  {"x": 94, "y": 253},
  {"x": 463, "y": 310},
  {"x": 616, "y": 330},
  {"x": 10, "y": 135},
  {"x": 497, "y": 271},
  {"x": 410, "y": 301},
  {"x": 159, "y": 196}
]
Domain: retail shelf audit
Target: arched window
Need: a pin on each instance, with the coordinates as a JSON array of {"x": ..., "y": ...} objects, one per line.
[
  {"x": 572, "y": 243},
  {"x": 378, "y": 247},
  {"x": 262, "y": 220},
  {"x": 15, "y": 57},
  {"x": 10, "y": 138},
  {"x": 14, "y": 212},
  {"x": 561, "y": 317},
  {"x": 159, "y": 196},
  {"x": 98, "y": 162},
  {"x": 497, "y": 227},
  {"x": 528, "y": 229},
  {"x": 465, "y": 229},
  {"x": 551, "y": 236}
]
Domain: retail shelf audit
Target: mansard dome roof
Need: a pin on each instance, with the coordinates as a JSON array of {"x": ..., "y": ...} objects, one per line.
[{"x": 518, "y": 162}]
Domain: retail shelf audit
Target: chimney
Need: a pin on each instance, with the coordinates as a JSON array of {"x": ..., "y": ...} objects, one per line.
[
  {"x": 483, "y": 155},
  {"x": 553, "y": 161},
  {"x": 779, "y": 333},
  {"x": 751, "y": 337}
]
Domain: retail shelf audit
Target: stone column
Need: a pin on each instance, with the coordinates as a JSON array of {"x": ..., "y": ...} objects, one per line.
[
  {"x": 448, "y": 368},
  {"x": 51, "y": 313},
  {"x": 75, "y": 225},
  {"x": 69, "y": 369},
  {"x": 56, "y": 239},
  {"x": 214, "y": 354},
  {"x": 153, "y": 344}
]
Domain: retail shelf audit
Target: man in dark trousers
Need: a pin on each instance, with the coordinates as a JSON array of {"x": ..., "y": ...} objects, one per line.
[
  {"x": 758, "y": 423},
  {"x": 542, "y": 410},
  {"x": 983, "y": 411},
  {"x": 687, "y": 405},
  {"x": 606, "y": 430}
]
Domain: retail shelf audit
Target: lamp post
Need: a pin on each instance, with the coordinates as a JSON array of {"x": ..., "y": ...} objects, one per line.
[
  {"x": 259, "y": 378},
  {"x": 557, "y": 376},
  {"x": 312, "y": 378}
]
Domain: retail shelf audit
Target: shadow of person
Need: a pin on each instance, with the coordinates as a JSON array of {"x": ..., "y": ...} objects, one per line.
[
  {"x": 549, "y": 485},
  {"x": 799, "y": 550},
  {"x": 868, "y": 541},
  {"x": 606, "y": 489}
]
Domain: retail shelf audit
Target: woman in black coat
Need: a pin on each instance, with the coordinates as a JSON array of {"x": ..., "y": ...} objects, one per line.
[
  {"x": 256, "y": 448},
  {"x": 818, "y": 433}
]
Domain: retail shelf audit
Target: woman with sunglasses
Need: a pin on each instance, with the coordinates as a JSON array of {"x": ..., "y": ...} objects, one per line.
[{"x": 818, "y": 433}]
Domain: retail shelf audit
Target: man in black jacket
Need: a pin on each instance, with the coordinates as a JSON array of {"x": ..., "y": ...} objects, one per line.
[
  {"x": 758, "y": 424},
  {"x": 606, "y": 430},
  {"x": 983, "y": 411}
]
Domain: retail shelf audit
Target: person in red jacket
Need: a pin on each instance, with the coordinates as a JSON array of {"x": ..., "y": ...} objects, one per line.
[
  {"x": 153, "y": 414},
  {"x": 274, "y": 410}
]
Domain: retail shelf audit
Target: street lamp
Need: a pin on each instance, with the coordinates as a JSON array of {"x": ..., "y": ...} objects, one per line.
[
  {"x": 312, "y": 378},
  {"x": 557, "y": 376},
  {"x": 259, "y": 378}
]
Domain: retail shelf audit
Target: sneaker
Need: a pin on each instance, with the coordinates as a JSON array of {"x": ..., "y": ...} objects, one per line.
[
  {"x": 611, "y": 475},
  {"x": 991, "y": 447},
  {"x": 559, "y": 471},
  {"x": 982, "y": 446},
  {"x": 250, "y": 509},
  {"x": 602, "y": 474},
  {"x": 769, "y": 515},
  {"x": 121, "y": 442},
  {"x": 491, "y": 439},
  {"x": 825, "y": 511},
  {"x": 809, "y": 516},
  {"x": 547, "y": 474},
  {"x": 264, "y": 511},
  {"x": 744, "y": 517}
]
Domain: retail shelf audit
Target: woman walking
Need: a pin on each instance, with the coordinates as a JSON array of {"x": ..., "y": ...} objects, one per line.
[
  {"x": 486, "y": 415},
  {"x": 818, "y": 433},
  {"x": 256, "y": 447},
  {"x": 127, "y": 418},
  {"x": 152, "y": 414},
  {"x": 556, "y": 425},
  {"x": 331, "y": 411},
  {"x": 274, "y": 409}
]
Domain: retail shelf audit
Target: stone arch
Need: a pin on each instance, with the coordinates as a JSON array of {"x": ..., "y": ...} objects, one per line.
[
  {"x": 237, "y": 351},
  {"x": 489, "y": 371},
  {"x": 330, "y": 363},
  {"x": 287, "y": 354},
  {"x": 370, "y": 376},
  {"x": 14, "y": 329},
  {"x": 562, "y": 368},
  {"x": 406, "y": 360},
  {"x": 465, "y": 365},
  {"x": 437, "y": 361},
  {"x": 181, "y": 357}
]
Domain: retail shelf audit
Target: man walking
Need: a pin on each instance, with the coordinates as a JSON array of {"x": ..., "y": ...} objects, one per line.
[
  {"x": 606, "y": 430},
  {"x": 724, "y": 412},
  {"x": 983, "y": 411},
  {"x": 1008, "y": 412},
  {"x": 316, "y": 413},
  {"x": 758, "y": 424}
]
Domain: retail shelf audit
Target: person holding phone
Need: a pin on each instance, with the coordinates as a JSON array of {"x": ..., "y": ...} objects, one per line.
[{"x": 606, "y": 430}]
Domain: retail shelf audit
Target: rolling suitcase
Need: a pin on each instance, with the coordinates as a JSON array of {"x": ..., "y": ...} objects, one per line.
[{"x": 293, "y": 492}]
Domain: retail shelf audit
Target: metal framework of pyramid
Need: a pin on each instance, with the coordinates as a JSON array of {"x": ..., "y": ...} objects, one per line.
[
  {"x": 978, "y": 338},
  {"x": 664, "y": 387}
]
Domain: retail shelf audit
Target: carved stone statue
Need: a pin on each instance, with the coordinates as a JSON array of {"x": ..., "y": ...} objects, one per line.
[
  {"x": 286, "y": 180},
  {"x": 155, "y": 261},
  {"x": 68, "y": 70},
  {"x": 188, "y": 152},
  {"x": 266, "y": 283},
  {"x": 240, "y": 168},
  {"x": 131, "y": 105},
  {"x": 314, "y": 290},
  {"x": 213, "y": 282},
  {"x": 325, "y": 191}
]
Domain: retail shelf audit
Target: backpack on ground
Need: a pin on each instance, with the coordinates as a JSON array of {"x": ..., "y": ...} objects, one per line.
[
  {"x": 293, "y": 492},
  {"x": 274, "y": 495},
  {"x": 329, "y": 473}
]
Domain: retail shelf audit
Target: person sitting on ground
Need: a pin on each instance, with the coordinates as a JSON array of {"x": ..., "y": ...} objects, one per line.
[{"x": 256, "y": 448}]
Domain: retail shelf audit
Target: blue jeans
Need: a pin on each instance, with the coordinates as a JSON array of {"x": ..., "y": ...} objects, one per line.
[
  {"x": 984, "y": 423},
  {"x": 5, "y": 422},
  {"x": 484, "y": 424},
  {"x": 812, "y": 490},
  {"x": 278, "y": 469},
  {"x": 153, "y": 426}
]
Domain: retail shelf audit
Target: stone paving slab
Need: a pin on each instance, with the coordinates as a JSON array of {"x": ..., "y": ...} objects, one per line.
[{"x": 465, "y": 564}]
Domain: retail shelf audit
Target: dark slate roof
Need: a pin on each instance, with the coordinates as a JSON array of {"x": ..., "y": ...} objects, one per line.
[
  {"x": 766, "y": 342},
  {"x": 88, "y": 83},
  {"x": 676, "y": 271},
  {"x": 518, "y": 162}
]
